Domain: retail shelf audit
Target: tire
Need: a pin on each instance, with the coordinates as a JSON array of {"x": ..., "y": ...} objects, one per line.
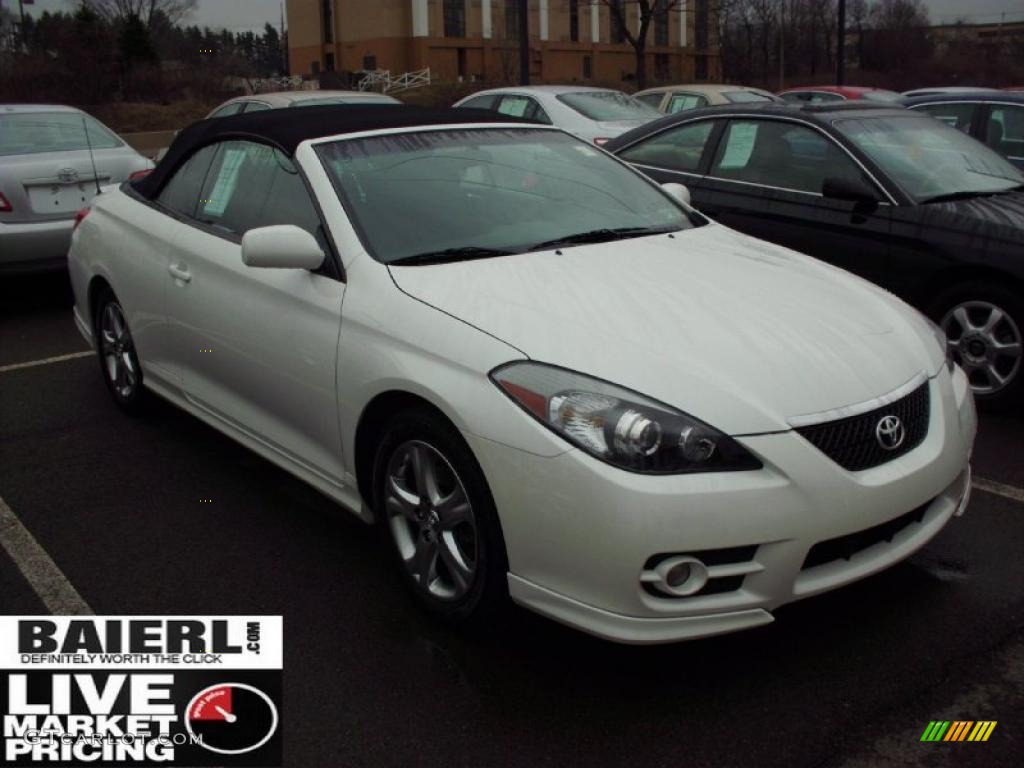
[
  {"x": 984, "y": 323},
  {"x": 434, "y": 534},
  {"x": 119, "y": 362}
]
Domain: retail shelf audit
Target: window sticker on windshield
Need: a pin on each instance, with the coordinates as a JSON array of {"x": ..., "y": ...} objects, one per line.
[
  {"x": 740, "y": 146},
  {"x": 227, "y": 180}
]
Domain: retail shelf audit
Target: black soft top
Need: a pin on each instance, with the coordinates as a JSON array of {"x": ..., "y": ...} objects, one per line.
[{"x": 288, "y": 127}]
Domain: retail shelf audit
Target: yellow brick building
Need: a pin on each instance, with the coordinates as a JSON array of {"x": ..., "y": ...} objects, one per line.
[{"x": 570, "y": 40}]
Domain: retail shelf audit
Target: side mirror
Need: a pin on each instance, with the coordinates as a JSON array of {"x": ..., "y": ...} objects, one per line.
[
  {"x": 283, "y": 246},
  {"x": 678, "y": 191},
  {"x": 836, "y": 188}
]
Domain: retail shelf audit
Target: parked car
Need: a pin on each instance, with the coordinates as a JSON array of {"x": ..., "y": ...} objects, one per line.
[
  {"x": 670, "y": 99},
  {"x": 890, "y": 194},
  {"x": 47, "y": 174},
  {"x": 258, "y": 102},
  {"x": 817, "y": 94},
  {"x": 946, "y": 90},
  {"x": 996, "y": 118},
  {"x": 592, "y": 114},
  {"x": 552, "y": 379}
]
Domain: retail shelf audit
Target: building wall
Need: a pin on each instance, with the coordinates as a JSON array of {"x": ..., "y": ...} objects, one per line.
[{"x": 380, "y": 33}]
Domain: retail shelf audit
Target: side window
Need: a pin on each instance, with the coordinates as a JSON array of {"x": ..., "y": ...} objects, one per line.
[
  {"x": 481, "y": 102},
  {"x": 231, "y": 109},
  {"x": 651, "y": 99},
  {"x": 684, "y": 101},
  {"x": 516, "y": 106},
  {"x": 957, "y": 115},
  {"x": 538, "y": 114},
  {"x": 252, "y": 185},
  {"x": 819, "y": 97},
  {"x": 1006, "y": 130},
  {"x": 181, "y": 193},
  {"x": 781, "y": 154},
  {"x": 256, "y": 106},
  {"x": 677, "y": 149}
]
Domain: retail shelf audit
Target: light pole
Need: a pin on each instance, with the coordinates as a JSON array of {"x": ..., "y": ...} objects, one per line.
[
  {"x": 524, "y": 42},
  {"x": 841, "y": 45},
  {"x": 782, "y": 45}
]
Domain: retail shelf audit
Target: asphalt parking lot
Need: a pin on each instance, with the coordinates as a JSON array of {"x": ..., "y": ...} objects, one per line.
[{"x": 847, "y": 679}]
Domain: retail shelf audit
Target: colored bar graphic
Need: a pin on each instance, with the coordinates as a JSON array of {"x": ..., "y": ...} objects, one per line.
[
  {"x": 958, "y": 730},
  {"x": 935, "y": 730}
]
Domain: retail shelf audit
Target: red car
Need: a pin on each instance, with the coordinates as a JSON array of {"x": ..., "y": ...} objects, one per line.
[{"x": 815, "y": 94}]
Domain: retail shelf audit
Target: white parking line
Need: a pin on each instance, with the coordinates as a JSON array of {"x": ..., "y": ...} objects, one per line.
[
  {"x": 43, "y": 575},
  {"x": 45, "y": 361},
  {"x": 999, "y": 489}
]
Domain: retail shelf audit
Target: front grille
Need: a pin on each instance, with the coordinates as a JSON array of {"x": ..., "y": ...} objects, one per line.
[
  {"x": 852, "y": 442},
  {"x": 845, "y": 547}
]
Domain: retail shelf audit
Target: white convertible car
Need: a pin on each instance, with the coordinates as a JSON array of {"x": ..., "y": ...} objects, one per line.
[{"x": 543, "y": 375}]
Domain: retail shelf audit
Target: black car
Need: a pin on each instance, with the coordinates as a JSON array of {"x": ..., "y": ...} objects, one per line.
[
  {"x": 912, "y": 204},
  {"x": 994, "y": 117}
]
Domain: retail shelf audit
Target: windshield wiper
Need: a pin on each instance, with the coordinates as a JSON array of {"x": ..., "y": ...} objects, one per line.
[
  {"x": 601, "y": 236},
  {"x": 448, "y": 255}
]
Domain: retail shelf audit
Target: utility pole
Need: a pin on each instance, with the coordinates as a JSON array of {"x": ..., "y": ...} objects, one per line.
[
  {"x": 524, "y": 41},
  {"x": 782, "y": 46},
  {"x": 841, "y": 46}
]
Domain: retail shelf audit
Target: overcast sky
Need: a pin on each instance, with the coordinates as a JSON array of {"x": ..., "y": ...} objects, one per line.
[{"x": 253, "y": 14}]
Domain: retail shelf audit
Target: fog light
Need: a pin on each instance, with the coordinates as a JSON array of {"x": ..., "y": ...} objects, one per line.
[{"x": 677, "y": 575}]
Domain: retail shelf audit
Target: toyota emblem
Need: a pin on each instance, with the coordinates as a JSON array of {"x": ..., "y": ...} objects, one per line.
[
  {"x": 890, "y": 432},
  {"x": 67, "y": 175}
]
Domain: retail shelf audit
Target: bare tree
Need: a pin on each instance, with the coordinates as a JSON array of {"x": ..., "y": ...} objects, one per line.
[
  {"x": 620, "y": 11},
  {"x": 173, "y": 10}
]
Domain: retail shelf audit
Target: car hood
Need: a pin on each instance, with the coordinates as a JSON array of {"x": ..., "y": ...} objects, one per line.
[
  {"x": 733, "y": 330},
  {"x": 1000, "y": 216}
]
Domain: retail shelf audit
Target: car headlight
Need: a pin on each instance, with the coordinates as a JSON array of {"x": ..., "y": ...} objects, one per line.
[
  {"x": 940, "y": 336},
  {"x": 617, "y": 425}
]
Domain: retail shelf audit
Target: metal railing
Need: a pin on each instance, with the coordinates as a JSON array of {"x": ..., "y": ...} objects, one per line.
[
  {"x": 381, "y": 80},
  {"x": 272, "y": 84}
]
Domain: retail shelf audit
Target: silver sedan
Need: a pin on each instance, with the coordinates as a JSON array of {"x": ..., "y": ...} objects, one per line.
[
  {"x": 48, "y": 174},
  {"x": 593, "y": 114}
]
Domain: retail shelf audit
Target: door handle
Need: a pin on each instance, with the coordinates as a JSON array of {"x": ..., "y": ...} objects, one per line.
[{"x": 180, "y": 273}]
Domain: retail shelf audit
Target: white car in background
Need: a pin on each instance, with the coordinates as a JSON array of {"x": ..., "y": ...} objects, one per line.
[
  {"x": 593, "y": 114},
  {"x": 259, "y": 102},
  {"x": 539, "y": 372},
  {"x": 47, "y": 174}
]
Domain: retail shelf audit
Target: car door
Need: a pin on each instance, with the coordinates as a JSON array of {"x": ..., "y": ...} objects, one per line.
[
  {"x": 258, "y": 347},
  {"x": 677, "y": 154},
  {"x": 766, "y": 178},
  {"x": 160, "y": 226},
  {"x": 962, "y": 115},
  {"x": 1004, "y": 131}
]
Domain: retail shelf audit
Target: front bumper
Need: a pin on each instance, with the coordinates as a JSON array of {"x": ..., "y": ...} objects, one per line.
[
  {"x": 580, "y": 534},
  {"x": 35, "y": 247}
]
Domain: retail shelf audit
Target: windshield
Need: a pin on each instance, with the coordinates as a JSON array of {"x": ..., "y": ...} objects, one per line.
[
  {"x": 26, "y": 133},
  {"x": 607, "y": 106},
  {"x": 928, "y": 158},
  {"x": 739, "y": 97},
  {"x": 478, "y": 190}
]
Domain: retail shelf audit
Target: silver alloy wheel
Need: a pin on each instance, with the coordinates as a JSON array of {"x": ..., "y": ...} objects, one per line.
[
  {"x": 985, "y": 342},
  {"x": 431, "y": 520},
  {"x": 116, "y": 347}
]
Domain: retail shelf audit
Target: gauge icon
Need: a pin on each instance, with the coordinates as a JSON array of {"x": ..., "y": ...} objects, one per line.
[{"x": 231, "y": 718}]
